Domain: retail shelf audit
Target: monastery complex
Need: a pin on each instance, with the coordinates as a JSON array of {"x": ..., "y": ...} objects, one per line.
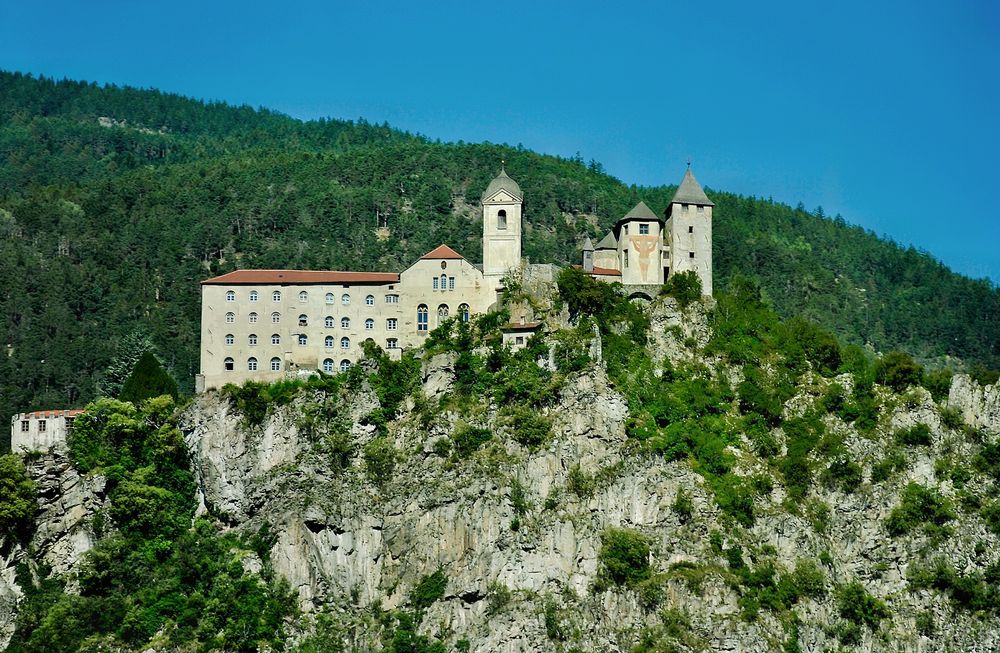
[{"x": 267, "y": 324}]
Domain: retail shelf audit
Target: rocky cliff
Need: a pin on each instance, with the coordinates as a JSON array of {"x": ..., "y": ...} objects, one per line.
[{"x": 359, "y": 514}]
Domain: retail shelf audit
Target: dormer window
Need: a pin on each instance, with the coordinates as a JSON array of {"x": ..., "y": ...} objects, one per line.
[
  {"x": 501, "y": 219},
  {"x": 643, "y": 229}
]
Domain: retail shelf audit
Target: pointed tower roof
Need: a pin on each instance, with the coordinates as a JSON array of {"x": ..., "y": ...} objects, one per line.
[
  {"x": 588, "y": 245},
  {"x": 503, "y": 182},
  {"x": 609, "y": 241},
  {"x": 641, "y": 212},
  {"x": 441, "y": 251},
  {"x": 690, "y": 192}
]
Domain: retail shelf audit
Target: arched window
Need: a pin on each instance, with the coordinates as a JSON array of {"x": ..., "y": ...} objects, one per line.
[
  {"x": 303, "y": 295},
  {"x": 275, "y": 364},
  {"x": 345, "y": 343},
  {"x": 230, "y": 339},
  {"x": 230, "y": 296},
  {"x": 230, "y": 318},
  {"x": 370, "y": 300},
  {"x": 303, "y": 320},
  {"x": 444, "y": 281},
  {"x": 328, "y": 322},
  {"x": 329, "y": 298},
  {"x": 345, "y": 323},
  {"x": 463, "y": 312},
  {"x": 275, "y": 339},
  {"x": 442, "y": 311},
  {"x": 501, "y": 219},
  {"x": 252, "y": 364},
  {"x": 328, "y": 341},
  {"x": 422, "y": 317},
  {"x": 253, "y": 295},
  {"x": 275, "y": 318},
  {"x": 228, "y": 364},
  {"x": 253, "y": 318},
  {"x": 252, "y": 339},
  {"x": 345, "y": 365},
  {"x": 345, "y": 299},
  {"x": 369, "y": 324},
  {"x": 276, "y": 296},
  {"x": 327, "y": 364},
  {"x": 303, "y": 340}
]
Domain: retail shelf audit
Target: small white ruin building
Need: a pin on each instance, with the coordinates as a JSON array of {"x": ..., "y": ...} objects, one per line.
[{"x": 41, "y": 430}]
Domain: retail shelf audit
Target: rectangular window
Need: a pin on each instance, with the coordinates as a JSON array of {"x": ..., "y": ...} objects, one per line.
[
  {"x": 391, "y": 343},
  {"x": 519, "y": 340},
  {"x": 41, "y": 426},
  {"x": 625, "y": 258},
  {"x": 644, "y": 230},
  {"x": 685, "y": 208},
  {"x": 701, "y": 209},
  {"x": 25, "y": 425},
  {"x": 690, "y": 230},
  {"x": 451, "y": 283},
  {"x": 690, "y": 254},
  {"x": 390, "y": 324},
  {"x": 435, "y": 283},
  {"x": 392, "y": 299}
]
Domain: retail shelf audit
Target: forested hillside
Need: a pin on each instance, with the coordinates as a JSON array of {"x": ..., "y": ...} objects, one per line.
[{"x": 116, "y": 202}]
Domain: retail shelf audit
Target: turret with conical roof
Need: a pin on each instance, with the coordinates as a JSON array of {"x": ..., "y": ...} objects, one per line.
[
  {"x": 689, "y": 231},
  {"x": 588, "y": 255},
  {"x": 502, "y": 203}
]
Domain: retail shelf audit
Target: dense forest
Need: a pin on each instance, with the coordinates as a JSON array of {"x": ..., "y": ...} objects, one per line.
[{"x": 115, "y": 202}]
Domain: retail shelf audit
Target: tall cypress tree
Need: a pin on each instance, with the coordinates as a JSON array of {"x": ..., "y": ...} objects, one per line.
[{"x": 148, "y": 379}]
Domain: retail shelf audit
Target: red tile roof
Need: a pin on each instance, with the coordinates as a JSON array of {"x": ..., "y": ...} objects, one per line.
[
  {"x": 47, "y": 414},
  {"x": 441, "y": 251},
  {"x": 300, "y": 277},
  {"x": 607, "y": 272},
  {"x": 521, "y": 326}
]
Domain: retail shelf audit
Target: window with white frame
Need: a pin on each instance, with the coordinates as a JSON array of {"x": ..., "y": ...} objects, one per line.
[
  {"x": 25, "y": 426},
  {"x": 230, "y": 296},
  {"x": 422, "y": 317},
  {"x": 330, "y": 298},
  {"x": 230, "y": 339},
  {"x": 276, "y": 296},
  {"x": 345, "y": 365},
  {"x": 303, "y": 340},
  {"x": 252, "y": 339},
  {"x": 345, "y": 343},
  {"x": 230, "y": 318},
  {"x": 392, "y": 299},
  {"x": 252, "y": 318},
  {"x": 253, "y": 295},
  {"x": 345, "y": 299},
  {"x": 463, "y": 312},
  {"x": 345, "y": 323},
  {"x": 643, "y": 229},
  {"x": 370, "y": 300},
  {"x": 328, "y": 321},
  {"x": 303, "y": 295},
  {"x": 252, "y": 364},
  {"x": 434, "y": 283},
  {"x": 451, "y": 283},
  {"x": 275, "y": 318},
  {"x": 391, "y": 343},
  {"x": 328, "y": 365},
  {"x": 275, "y": 339},
  {"x": 390, "y": 324},
  {"x": 442, "y": 311},
  {"x": 369, "y": 324},
  {"x": 328, "y": 341},
  {"x": 41, "y": 425},
  {"x": 275, "y": 364},
  {"x": 228, "y": 364}
]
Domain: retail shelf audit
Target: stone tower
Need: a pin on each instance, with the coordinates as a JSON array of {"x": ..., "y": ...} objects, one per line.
[
  {"x": 639, "y": 246},
  {"x": 689, "y": 231},
  {"x": 502, "y": 203}
]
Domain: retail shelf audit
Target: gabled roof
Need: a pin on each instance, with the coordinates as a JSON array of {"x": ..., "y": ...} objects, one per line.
[
  {"x": 690, "y": 192},
  {"x": 640, "y": 212},
  {"x": 299, "y": 277},
  {"x": 503, "y": 182},
  {"x": 442, "y": 251},
  {"x": 608, "y": 242}
]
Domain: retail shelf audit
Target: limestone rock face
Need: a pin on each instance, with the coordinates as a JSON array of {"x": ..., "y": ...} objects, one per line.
[
  {"x": 978, "y": 404},
  {"x": 674, "y": 330}
]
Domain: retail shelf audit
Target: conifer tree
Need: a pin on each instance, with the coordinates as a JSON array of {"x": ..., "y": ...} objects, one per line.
[{"x": 148, "y": 379}]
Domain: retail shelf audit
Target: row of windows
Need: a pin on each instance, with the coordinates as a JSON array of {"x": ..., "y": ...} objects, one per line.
[
  {"x": 685, "y": 208},
  {"x": 302, "y": 339},
  {"x": 345, "y": 322},
  {"x": 444, "y": 282},
  {"x": 330, "y": 298}
]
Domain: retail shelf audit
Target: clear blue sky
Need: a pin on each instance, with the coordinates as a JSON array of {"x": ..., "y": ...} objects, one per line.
[{"x": 884, "y": 112}]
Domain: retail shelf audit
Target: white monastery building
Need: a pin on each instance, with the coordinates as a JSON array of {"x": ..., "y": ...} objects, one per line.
[{"x": 267, "y": 324}]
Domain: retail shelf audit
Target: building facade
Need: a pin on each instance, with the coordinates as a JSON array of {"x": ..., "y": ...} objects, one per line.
[
  {"x": 41, "y": 430},
  {"x": 268, "y": 324}
]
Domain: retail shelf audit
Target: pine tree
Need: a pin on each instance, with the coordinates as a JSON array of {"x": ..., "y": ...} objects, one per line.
[{"x": 148, "y": 379}]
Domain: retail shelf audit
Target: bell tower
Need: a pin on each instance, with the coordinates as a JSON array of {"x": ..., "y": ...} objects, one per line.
[
  {"x": 689, "y": 229},
  {"x": 502, "y": 203}
]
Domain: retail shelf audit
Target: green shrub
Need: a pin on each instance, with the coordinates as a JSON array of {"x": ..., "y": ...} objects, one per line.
[
  {"x": 529, "y": 428},
  {"x": 920, "y": 506},
  {"x": 951, "y": 418},
  {"x": 991, "y": 516},
  {"x": 917, "y": 435},
  {"x": 938, "y": 383},
  {"x": 843, "y": 473},
  {"x": 683, "y": 507},
  {"x": 801, "y": 340},
  {"x": 894, "y": 461},
  {"x": 380, "y": 460},
  {"x": 469, "y": 438},
  {"x": 18, "y": 498},
  {"x": 624, "y": 555},
  {"x": 580, "y": 482},
  {"x": 519, "y": 498},
  {"x": 498, "y": 597},
  {"x": 430, "y": 589},
  {"x": 898, "y": 371},
  {"x": 685, "y": 287},
  {"x": 859, "y": 607}
]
